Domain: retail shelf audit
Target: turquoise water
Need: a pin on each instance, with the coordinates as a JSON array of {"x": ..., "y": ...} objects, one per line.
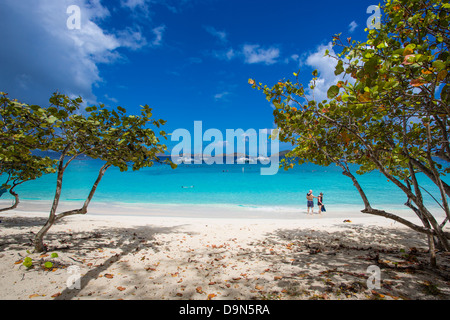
[{"x": 225, "y": 185}]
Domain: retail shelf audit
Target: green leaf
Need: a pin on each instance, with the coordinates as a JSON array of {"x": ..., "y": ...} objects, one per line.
[
  {"x": 48, "y": 264},
  {"x": 54, "y": 255},
  {"x": 339, "y": 68},
  {"x": 439, "y": 65},
  {"x": 27, "y": 262},
  {"x": 332, "y": 92},
  {"x": 445, "y": 93}
]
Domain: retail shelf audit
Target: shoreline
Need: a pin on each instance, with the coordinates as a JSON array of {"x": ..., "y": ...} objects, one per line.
[{"x": 216, "y": 211}]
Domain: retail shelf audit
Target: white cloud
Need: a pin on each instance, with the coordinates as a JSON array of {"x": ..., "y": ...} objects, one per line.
[
  {"x": 226, "y": 54},
  {"x": 44, "y": 55},
  {"x": 112, "y": 99},
  {"x": 250, "y": 54},
  {"x": 253, "y": 53},
  {"x": 133, "y": 4},
  {"x": 143, "y": 6},
  {"x": 325, "y": 66},
  {"x": 220, "y": 35},
  {"x": 158, "y": 32},
  {"x": 221, "y": 95},
  {"x": 352, "y": 26},
  {"x": 294, "y": 57},
  {"x": 132, "y": 39},
  {"x": 230, "y": 54}
]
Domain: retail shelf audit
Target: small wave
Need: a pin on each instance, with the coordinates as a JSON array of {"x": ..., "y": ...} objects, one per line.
[{"x": 270, "y": 208}]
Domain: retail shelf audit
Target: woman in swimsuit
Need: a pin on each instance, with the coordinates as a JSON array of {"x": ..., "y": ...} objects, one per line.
[{"x": 320, "y": 202}]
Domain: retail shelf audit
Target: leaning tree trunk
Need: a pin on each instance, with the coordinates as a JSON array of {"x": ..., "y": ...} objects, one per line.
[
  {"x": 369, "y": 210},
  {"x": 430, "y": 238},
  {"x": 38, "y": 241},
  {"x": 16, "y": 201}
]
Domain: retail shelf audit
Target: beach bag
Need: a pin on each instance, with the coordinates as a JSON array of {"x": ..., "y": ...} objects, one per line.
[{"x": 323, "y": 208}]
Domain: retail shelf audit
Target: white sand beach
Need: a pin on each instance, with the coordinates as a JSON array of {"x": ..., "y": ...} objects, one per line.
[{"x": 120, "y": 256}]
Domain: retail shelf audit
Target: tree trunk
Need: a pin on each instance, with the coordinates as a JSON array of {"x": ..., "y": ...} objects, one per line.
[
  {"x": 430, "y": 238},
  {"x": 38, "y": 242},
  {"x": 359, "y": 188},
  {"x": 16, "y": 201},
  {"x": 418, "y": 201},
  {"x": 39, "y": 239},
  {"x": 83, "y": 209},
  {"x": 430, "y": 175},
  {"x": 432, "y": 248},
  {"x": 368, "y": 209}
]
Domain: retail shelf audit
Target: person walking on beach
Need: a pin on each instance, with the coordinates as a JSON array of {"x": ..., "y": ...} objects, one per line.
[
  {"x": 309, "y": 201},
  {"x": 320, "y": 203}
]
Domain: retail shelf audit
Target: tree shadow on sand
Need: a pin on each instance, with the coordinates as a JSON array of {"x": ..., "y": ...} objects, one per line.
[
  {"x": 79, "y": 246},
  {"x": 337, "y": 262},
  {"x": 128, "y": 240},
  {"x": 21, "y": 240}
]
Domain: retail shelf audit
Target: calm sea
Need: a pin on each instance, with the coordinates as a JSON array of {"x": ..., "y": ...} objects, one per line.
[{"x": 238, "y": 185}]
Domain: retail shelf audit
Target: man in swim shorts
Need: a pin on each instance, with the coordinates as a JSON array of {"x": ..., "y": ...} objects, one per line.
[{"x": 309, "y": 201}]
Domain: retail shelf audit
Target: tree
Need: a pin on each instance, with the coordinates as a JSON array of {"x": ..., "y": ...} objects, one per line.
[
  {"x": 22, "y": 132},
  {"x": 390, "y": 115},
  {"x": 118, "y": 139},
  {"x": 21, "y": 168}
]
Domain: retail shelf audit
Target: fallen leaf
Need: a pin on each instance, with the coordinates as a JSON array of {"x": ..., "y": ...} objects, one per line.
[
  {"x": 33, "y": 296},
  {"x": 258, "y": 287},
  {"x": 211, "y": 295},
  {"x": 199, "y": 290},
  {"x": 18, "y": 262},
  {"x": 121, "y": 288},
  {"x": 377, "y": 294},
  {"x": 56, "y": 295},
  {"x": 109, "y": 276}
]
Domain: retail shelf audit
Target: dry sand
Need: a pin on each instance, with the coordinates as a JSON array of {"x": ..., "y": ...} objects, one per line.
[{"x": 151, "y": 257}]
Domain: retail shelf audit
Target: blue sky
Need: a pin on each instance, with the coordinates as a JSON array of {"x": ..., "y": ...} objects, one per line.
[{"x": 188, "y": 59}]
